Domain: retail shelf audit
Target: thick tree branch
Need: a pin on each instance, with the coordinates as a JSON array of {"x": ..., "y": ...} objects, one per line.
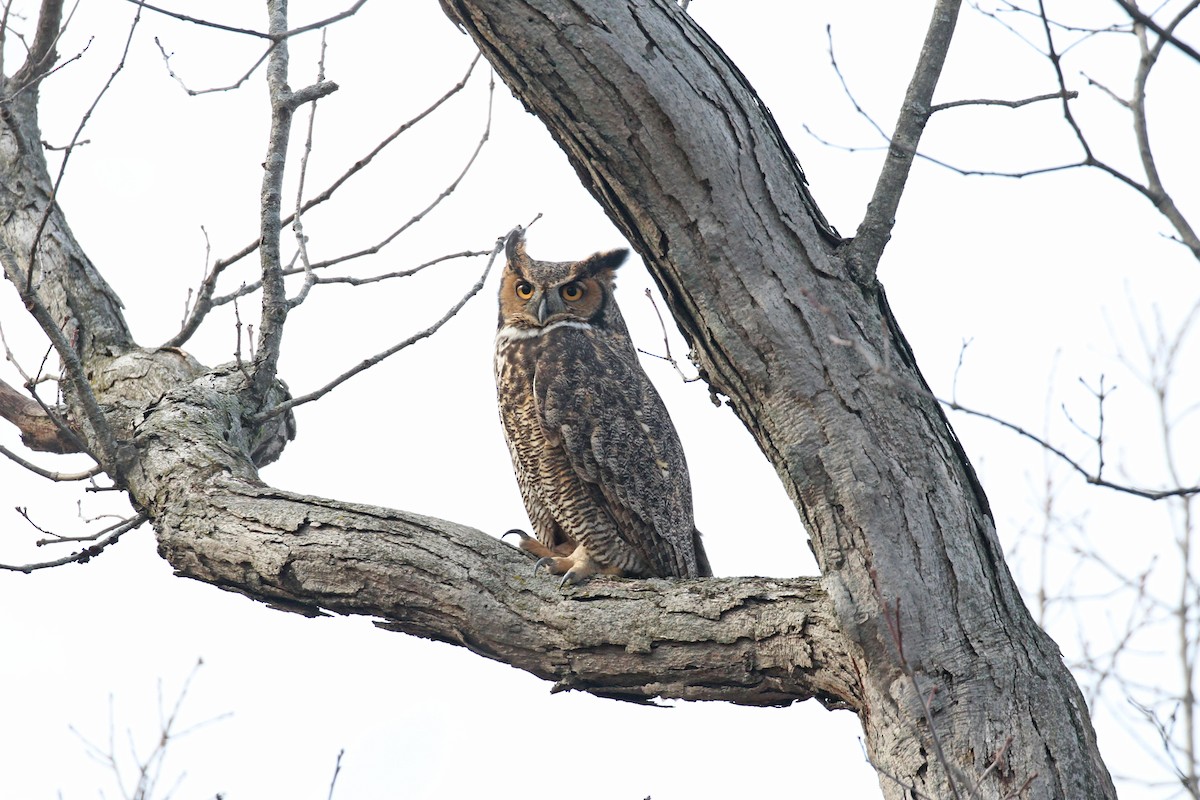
[
  {"x": 672, "y": 141},
  {"x": 38, "y": 431},
  {"x": 752, "y": 641},
  {"x": 670, "y": 138}
]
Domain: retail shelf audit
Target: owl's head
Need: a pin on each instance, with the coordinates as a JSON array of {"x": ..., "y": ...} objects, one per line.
[{"x": 535, "y": 294}]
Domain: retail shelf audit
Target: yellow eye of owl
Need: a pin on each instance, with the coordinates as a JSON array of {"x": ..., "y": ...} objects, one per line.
[
  {"x": 572, "y": 292},
  {"x": 524, "y": 290}
]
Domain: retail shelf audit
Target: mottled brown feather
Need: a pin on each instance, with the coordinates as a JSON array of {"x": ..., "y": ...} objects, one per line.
[{"x": 598, "y": 461}]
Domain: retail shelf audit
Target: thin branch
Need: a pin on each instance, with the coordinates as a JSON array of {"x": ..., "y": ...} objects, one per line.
[
  {"x": 197, "y": 92},
  {"x": 349, "y": 12},
  {"x": 1059, "y": 95},
  {"x": 254, "y": 286},
  {"x": 420, "y": 215},
  {"x": 204, "y": 296},
  {"x": 298, "y": 225},
  {"x": 378, "y": 357},
  {"x": 44, "y": 75},
  {"x": 1095, "y": 480},
  {"x": 405, "y": 273},
  {"x": 1167, "y": 34},
  {"x": 1155, "y": 191},
  {"x": 62, "y": 168},
  {"x": 146, "y": 772},
  {"x": 104, "y": 440},
  {"x": 50, "y": 474},
  {"x": 670, "y": 359},
  {"x": 205, "y": 22},
  {"x": 110, "y": 536},
  {"x": 865, "y": 249},
  {"x": 337, "y": 768},
  {"x": 284, "y": 103},
  {"x": 837, "y": 70},
  {"x": 272, "y": 35}
]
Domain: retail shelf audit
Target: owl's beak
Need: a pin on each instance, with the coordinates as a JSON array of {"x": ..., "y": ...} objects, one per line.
[{"x": 543, "y": 311}]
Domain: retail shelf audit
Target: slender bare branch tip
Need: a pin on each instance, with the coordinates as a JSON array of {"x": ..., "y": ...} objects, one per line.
[
  {"x": 1059, "y": 95},
  {"x": 70, "y": 146}
]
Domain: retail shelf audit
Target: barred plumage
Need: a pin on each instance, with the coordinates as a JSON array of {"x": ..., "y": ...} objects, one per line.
[{"x": 598, "y": 462}]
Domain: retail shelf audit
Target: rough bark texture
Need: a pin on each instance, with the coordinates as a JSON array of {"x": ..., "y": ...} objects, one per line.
[
  {"x": 188, "y": 458},
  {"x": 671, "y": 140},
  {"x": 916, "y": 624}
]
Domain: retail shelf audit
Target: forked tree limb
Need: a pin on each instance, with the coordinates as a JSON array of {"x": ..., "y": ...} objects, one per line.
[
  {"x": 193, "y": 449},
  {"x": 671, "y": 140},
  {"x": 919, "y": 627}
]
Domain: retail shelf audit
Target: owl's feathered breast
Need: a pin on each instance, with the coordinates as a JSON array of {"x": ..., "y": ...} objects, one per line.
[{"x": 585, "y": 424}]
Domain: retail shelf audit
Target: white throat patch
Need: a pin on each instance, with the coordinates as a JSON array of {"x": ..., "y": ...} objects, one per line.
[{"x": 511, "y": 333}]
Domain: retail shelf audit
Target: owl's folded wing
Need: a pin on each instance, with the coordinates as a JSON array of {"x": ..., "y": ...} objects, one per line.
[{"x": 618, "y": 437}]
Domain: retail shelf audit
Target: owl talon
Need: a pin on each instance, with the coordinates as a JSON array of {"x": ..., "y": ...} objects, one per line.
[
  {"x": 567, "y": 567},
  {"x": 536, "y": 549}
]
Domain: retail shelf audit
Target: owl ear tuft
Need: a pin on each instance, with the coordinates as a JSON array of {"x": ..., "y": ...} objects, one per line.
[
  {"x": 607, "y": 261},
  {"x": 514, "y": 246}
]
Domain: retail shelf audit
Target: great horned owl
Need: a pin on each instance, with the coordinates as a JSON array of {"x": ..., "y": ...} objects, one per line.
[{"x": 598, "y": 461}]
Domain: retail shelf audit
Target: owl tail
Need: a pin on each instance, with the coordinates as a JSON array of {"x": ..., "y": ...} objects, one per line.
[{"x": 703, "y": 569}]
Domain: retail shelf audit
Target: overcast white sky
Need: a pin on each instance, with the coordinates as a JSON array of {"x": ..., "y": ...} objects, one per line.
[{"x": 1043, "y": 275}]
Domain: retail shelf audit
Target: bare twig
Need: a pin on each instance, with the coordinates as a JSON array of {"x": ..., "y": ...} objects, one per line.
[
  {"x": 404, "y": 273},
  {"x": 337, "y": 768},
  {"x": 205, "y": 22},
  {"x": 147, "y": 771},
  {"x": 670, "y": 359},
  {"x": 197, "y": 92},
  {"x": 108, "y": 536},
  {"x": 1155, "y": 191},
  {"x": 378, "y": 357},
  {"x": 272, "y": 35},
  {"x": 250, "y": 288},
  {"x": 437, "y": 201},
  {"x": 50, "y": 474},
  {"x": 298, "y": 225},
  {"x": 1095, "y": 480},
  {"x": 1059, "y": 95},
  {"x": 962, "y": 352},
  {"x": 204, "y": 296}
]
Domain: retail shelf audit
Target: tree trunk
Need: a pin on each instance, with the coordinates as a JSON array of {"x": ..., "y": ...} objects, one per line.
[
  {"x": 962, "y": 692},
  {"x": 915, "y": 624}
]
